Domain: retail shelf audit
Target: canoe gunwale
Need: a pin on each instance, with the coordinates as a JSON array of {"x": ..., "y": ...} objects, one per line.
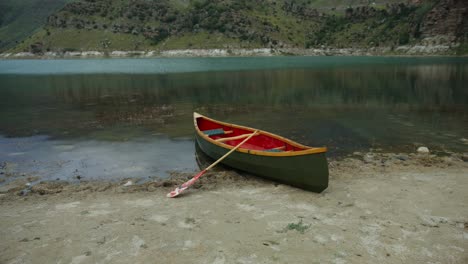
[{"x": 307, "y": 150}]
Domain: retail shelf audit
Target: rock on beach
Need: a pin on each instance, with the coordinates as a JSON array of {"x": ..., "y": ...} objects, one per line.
[{"x": 423, "y": 150}]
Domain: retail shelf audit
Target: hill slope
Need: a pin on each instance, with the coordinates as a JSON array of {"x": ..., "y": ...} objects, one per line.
[
  {"x": 105, "y": 25},
  {"x": 20, "y": 19}
]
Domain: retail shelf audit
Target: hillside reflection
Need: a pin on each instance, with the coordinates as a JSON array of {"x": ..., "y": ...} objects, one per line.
[
  {"x": 423, "y": 85},
  {"x": 314, "y": 102}
]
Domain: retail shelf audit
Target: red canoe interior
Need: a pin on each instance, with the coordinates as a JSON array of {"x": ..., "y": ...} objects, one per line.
[{"x": 259, "y": 142}]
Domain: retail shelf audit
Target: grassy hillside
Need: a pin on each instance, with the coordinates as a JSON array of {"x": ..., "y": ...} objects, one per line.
[
  {"x": 20, "y": 19},
  {"x": 106, "y": 25}
]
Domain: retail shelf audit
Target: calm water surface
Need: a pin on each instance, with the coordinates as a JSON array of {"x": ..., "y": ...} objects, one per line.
[{"x": 119, "y": 118}]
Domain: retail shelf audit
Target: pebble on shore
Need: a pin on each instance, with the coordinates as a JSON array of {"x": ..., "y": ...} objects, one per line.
[
  {"x": 128, "y": 183},
  {"x": 423, "y": 150}
]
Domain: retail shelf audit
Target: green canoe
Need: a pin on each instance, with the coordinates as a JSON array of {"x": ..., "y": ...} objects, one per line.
[{"x": 265, "y": 154}]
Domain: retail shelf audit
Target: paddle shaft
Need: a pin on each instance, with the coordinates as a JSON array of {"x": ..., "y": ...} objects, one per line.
[
  {"x": 190, "y": 182},
  {"x": 232, "y": 150}
]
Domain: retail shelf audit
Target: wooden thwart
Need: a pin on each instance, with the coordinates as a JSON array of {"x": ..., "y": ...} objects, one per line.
[
  {"x": 233, "y": 138},
  {"x": 216, "y": 132}
]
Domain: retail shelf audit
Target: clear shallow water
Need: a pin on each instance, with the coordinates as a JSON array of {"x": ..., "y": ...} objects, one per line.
[
  {"x": 94, "y": 159},
  {"x": 123, "y": 118}
]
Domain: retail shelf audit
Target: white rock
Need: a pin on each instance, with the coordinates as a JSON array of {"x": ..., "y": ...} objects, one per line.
[
  {"x": 423, "y": 150},
  {"x": 91, "y": 54},
  {"x": 129, "y": 183},
  {"x": 368, "y": 158},
  {"x": 24, "y": 54},
  {"x": 72, "y": 54}
]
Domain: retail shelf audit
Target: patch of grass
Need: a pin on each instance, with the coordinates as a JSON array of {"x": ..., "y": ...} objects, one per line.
[
  {"x": 462, "y": 49},
  {"x": 299, "y": 227},
  {"x": 291, "y": 30},
  {"x": 190, "y": 220},
  {"x": 342, "y": 4},
  {"x": 199, "y": 40},
  {"x": 84, "y": 40}
]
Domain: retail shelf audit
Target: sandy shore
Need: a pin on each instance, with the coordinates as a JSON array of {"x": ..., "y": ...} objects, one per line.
[{"x": 379, "y": 208}]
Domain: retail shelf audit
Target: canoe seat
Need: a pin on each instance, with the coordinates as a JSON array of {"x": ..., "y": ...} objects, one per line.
[{"x": 216, "y": 132}]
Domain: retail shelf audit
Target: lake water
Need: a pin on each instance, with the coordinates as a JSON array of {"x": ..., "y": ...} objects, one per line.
[{"x": 120, "y": 118}]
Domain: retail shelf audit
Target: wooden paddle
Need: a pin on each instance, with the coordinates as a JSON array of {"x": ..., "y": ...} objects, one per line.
[{"x": 190, "y": 182}]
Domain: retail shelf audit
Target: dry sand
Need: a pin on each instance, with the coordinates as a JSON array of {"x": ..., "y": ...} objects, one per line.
[{"x": 379, "y": 208}]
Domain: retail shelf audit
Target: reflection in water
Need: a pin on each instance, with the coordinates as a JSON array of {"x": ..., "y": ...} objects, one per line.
[
  {"x": 393, "y": 106},
  {"x": 419, "y": 86},
  {"x": 203, "y": 160},
  {"x": 349, "y": 107}
]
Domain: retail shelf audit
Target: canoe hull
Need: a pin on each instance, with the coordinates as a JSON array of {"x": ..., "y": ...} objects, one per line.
[{"x": 309, "y": 172}]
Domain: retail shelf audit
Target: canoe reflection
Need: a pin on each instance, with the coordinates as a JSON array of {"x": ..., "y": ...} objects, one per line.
[{"x": 203, "y": 160}]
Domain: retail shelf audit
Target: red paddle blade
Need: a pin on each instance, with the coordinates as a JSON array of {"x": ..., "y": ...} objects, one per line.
[
  {"x": 175, "y": 192},
  {"x": 185, "y": 185}
]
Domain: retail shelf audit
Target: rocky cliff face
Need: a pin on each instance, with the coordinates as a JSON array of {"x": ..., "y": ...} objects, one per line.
[
  {"x": 446, "y": 23},
  {"x": 420, "y": 23}
]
